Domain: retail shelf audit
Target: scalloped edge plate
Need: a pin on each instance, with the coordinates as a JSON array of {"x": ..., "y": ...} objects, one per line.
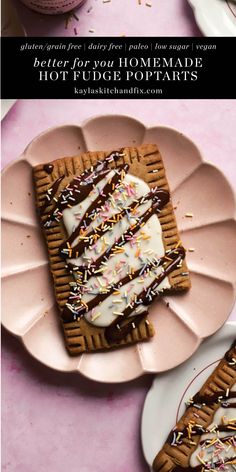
[
  {"x": 215, "y": 17},
  {"x": 180, "y": 319},
  {"x": 162, "y": 408}
]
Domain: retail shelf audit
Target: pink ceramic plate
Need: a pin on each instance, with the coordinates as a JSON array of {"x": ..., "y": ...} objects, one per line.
[{"x": 29, "y": 309}]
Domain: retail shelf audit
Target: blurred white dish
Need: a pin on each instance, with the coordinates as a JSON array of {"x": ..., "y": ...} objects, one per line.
[
  {"x": 165, "y": 401},
  {"x": 215, "y": 17},
  {"x": 6, "y": 106}
]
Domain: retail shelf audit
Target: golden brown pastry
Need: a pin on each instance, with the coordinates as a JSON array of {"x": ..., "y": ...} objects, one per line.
[{"x": 113, "y": 243}]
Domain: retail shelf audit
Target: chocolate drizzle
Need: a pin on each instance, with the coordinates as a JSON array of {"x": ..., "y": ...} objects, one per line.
[
  {"x": 230, "y": 355},
  {"x": 80, "y": 187},
  {"x": 72, "y": 195},
  {"x": 199, "y": 468},
  {"x": 81, "y": 309},
  {"x": 89, "y": 270},
  {"x": 65, "y": 250},
  {"x": 127, "y": 327},
  {"x": 50, "y": 195},
  {"x": 198, "y": 430},
  {"x": 114, "y": 332},
  {"x": 222, "y": 399},
  {"x": 70, "y": 314},
  {"x": 219, "y": 397},
  {"x": 225, "y": 439}
]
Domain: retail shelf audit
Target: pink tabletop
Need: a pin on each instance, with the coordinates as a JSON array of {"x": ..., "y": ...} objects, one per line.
[
  {"x": 114, "y": 18},
  {"x": 53, "y": 421}
]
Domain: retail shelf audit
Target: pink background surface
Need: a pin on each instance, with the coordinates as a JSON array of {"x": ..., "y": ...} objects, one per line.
[
  {"x": 58, "y": 422},
  {"x": 164, "y": 18}
]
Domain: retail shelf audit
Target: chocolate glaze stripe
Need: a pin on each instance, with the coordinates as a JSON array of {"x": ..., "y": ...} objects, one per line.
[
  {"x": 230, "y": 356},
  {"x": 225, "y": 439},
  {"x": 132, "y": 324},
  {"x": 198, "y": 430},
  {"x": 112, "y": 185},
  {"x": 88, "y": 270},
  {"x": 65, "y": 250},
  {"x": 219, "y": 397},
  {"x": 79, "y": 188},
  {"x": 199, "y": 400},
  {"x": 199, "y": 468},
  {"x": 127, "y": 327},
  {"x": 100, "y": 166},
  {"x": 73, "y": 194},
  {"x": 67, "y": 316},
  {"x": 113, "y": 332},
  {"x": 100, "y": 230},
  {"x": 50, "y": 194}
]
